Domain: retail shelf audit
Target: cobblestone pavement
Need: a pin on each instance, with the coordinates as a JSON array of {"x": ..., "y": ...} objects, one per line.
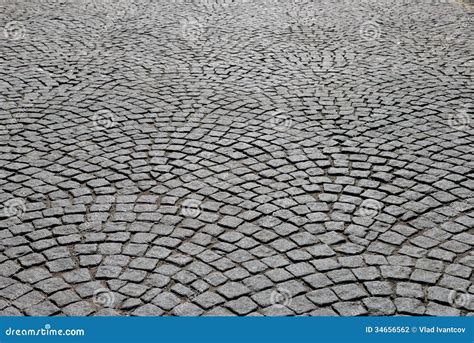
[{"x": 236, "y": 158}]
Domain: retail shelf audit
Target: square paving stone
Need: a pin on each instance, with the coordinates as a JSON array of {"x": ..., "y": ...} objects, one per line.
[
  {"x": 241, "y": 306},
  {"x": 349, "y": 291},
  {"x": 166, "y": 300},
  {"x": 350, "y": 308},
  {"x": 232, "y": 290},
  {"x": 322, "y": 297}
]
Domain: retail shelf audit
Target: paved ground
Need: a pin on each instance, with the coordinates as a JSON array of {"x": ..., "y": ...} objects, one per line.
[{"x": 245, "y": 157}]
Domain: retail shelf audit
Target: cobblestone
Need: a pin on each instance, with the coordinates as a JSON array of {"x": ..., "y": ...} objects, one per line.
[{"x": 236, "y": 161}]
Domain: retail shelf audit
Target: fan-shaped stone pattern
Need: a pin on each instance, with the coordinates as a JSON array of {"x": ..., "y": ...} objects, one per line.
[{"x": 236, "y": 158}]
